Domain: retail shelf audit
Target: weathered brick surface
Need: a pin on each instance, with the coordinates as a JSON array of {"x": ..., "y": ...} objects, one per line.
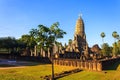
[{"x": 88, "y": 65}]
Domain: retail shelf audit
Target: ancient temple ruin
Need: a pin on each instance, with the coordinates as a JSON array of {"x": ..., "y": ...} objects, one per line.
[
  {"x": 79, "y": 43},
  {"x": 79, "y": 46}
]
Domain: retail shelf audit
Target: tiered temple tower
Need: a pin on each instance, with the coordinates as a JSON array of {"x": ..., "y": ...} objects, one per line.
[{"x": 79, "y": 44}]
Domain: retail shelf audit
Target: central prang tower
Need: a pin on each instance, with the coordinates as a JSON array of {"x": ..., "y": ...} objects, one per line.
[
  {"x": 79, "y": 43},
  {"x": 79, "y": 35},
  {"x": 79, "y": 29}
]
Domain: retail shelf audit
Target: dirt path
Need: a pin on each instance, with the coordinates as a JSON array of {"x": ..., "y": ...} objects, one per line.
[
  {"x": 10, "y": 64},
  {"x": 12, "y": 67}
]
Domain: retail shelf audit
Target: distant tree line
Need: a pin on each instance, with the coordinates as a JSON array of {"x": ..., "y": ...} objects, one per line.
[
  {"x": 43, "y": 37},
  {"x": 10, "y": 44},
  {"x": 113, "y": 50}
]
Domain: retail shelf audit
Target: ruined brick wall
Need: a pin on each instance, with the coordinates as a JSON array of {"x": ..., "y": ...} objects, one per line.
[
  {"x": 88, "y": 65},
  {"x": 100, "y": 65}
]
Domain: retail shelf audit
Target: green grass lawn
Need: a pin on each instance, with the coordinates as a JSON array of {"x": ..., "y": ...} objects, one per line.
[
  {"x": 29, "y": 72},
  {"x": 35, "y": 70}
]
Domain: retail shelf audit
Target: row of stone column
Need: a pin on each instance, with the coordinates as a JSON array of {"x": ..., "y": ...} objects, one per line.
[{"x": 88, "y": 65}]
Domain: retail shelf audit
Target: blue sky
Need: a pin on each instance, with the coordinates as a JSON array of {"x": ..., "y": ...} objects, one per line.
[{"x": 17, "y": 17}]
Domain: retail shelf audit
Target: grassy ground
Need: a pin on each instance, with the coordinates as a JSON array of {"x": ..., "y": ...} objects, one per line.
[
  {"x": 31, "y": 72},
  {"x": 35, "y": 70}
]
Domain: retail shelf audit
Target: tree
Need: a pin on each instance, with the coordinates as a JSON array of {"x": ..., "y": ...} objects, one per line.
[
  {"x": 118, "y": 37},
  {"x": 102, "y": 35},
  {"x": 55, "y": 33},
  {"x": 21, "y": 45},
  {"x": 42, "y": 37},
  {"x": 118, "y": 45},
  {"x": 115, "y": 35},
  {"x": 11, "y": 46},
  {"x": 8, "y": 43},
  {"x": 46, "y": 37},
  {"x": 106, "y": 50},
  {"x": 115, "y": 49},
  {"x": 33, "y": 33},
  {"x": 29, "y": 41},
  {"x": 70, "y": 41}
]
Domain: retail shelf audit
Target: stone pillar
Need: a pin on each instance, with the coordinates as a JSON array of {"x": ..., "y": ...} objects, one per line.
[
  {"x": 60, "y": 63},
  {"x": 90, "y": 65},
  {"x": 78, "y": 65},
  {"x": 94, "y": 66},
  {"x": 69, "y": 63},
  {"x": 41, "y": 52},
  {"x": 72, "y": 63},
  {"x": 82, "y": 65},
  {"x": 75, "y": 63},
  {"x": 86, "y": 65},
  {"x": 49, "y": 52},
  {"x": 63, "y": 62},
  {"x": 31, "y": 52},
  {"x": 35, "y": 50},
  {"x": 99, "y": 66}
]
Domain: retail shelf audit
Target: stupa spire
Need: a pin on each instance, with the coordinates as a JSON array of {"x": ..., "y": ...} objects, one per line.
[
  {"x": 79, "y": 28},
  {"x": 80, "y": 15}
]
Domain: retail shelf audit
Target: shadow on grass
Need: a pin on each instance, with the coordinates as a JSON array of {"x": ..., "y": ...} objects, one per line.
[{"x": 62, "y": 74}]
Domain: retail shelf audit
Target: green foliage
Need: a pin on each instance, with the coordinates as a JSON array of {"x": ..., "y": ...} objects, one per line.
[
  {"x": 115, "y": 35},
  {"x": 116, "y": 48},
  {"x": 118, "y": 44},
  {"x": 118, "y": 37},
  {"x": 28, "y": 40},
  {"x": 8, "y": 42},
  {"x": 106, "y": 50},
  {"x": 70, "y": 41},
  {"x": 102, "y": 35},
  {"x": 45, "y": 36}
]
